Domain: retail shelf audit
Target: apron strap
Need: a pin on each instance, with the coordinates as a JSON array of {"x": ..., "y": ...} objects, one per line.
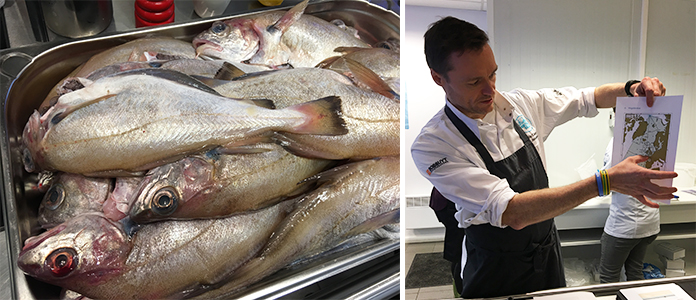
[{"x": 469, "y": 135}]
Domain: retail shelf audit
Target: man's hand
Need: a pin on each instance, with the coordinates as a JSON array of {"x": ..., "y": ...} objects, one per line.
[
  {"x": 650, "y": 88},
  {"x": 628, "y": 178}
]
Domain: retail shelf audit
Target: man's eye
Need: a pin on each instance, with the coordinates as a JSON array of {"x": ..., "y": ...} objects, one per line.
[{"x": 475, "y": 82}]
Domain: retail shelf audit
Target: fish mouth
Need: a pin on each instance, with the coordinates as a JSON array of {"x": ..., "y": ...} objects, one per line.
[{"x": 202, "y": 46}]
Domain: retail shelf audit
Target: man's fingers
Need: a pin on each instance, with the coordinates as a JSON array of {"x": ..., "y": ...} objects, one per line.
[
  {"x": 650, "y": 97},
  {"x": 647, "y": 202},
  {"x": 659, "y": 192},
  {"x": 661, "y": 174}
]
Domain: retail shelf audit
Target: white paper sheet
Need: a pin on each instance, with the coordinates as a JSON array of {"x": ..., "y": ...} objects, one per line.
[
  {"x": 668, "y": 291},
  {"x": 648, "y": 131}
]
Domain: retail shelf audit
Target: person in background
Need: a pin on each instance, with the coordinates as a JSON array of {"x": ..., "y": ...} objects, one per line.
[
  {"x": 484, "y": 152},
  {"x": 452, "y": 248},
  {"x": 629, "y": 229}
]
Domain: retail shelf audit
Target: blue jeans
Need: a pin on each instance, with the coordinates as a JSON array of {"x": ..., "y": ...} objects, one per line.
[{"x": 618, "y": 252}]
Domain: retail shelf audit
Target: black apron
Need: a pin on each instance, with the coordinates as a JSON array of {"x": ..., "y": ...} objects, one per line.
[
  {"x": 454, "y": 236},
  {"x": 505, "y": 261}
]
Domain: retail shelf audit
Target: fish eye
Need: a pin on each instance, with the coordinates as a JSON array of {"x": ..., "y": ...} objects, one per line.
[
  {"x": 27, "y": 159},
  {"x": 218, "y": 27},
  {"x": 165, "y": 201},
  {"x": 54, "y": 197},
  {"x": 62, "y": 261}
]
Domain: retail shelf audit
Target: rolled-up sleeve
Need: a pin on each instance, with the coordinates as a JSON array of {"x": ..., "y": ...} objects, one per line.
[
  {"x": 482, "y": 196},
  {"x": 553, "y": 107}
]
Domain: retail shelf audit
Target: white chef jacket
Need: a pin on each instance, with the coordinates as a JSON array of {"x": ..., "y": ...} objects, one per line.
[
  {"x": 444, "y": 157},
  {"x": 628, "y": 217}
]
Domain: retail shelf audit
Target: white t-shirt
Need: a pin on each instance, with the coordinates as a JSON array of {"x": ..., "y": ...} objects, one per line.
[{"x": 628, "y": 218}]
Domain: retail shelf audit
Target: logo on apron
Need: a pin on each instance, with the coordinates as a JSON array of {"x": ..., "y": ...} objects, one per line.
[
  {"x": 436, "y": 165},
  {"x": 526, "y": 126}
]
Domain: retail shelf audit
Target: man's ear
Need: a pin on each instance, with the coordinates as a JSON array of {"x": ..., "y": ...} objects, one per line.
[{"x": 436, "y": 77}]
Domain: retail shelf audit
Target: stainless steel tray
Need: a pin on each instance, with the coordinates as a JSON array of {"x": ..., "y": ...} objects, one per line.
[{"x": 48, "y": 64}]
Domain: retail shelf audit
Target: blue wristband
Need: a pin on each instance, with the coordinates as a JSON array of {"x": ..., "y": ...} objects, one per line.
[{"x": 598, "y": 178}]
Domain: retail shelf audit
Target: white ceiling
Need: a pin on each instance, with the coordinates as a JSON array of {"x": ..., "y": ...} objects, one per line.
[{"x": 460, "y": 4}]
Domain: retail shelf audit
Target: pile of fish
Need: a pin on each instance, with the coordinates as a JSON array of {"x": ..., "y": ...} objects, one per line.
[{"x": 167, "y": 175}]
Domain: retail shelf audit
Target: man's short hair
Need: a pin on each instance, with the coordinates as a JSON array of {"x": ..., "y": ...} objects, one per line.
[{"x": 451, "y": 35}]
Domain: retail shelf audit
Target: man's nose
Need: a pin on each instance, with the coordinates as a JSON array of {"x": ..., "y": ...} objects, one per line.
[{"x": 489, "y": 87}]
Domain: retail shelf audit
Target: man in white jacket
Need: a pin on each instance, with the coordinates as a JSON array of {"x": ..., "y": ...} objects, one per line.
[{"x": 484, "y": 151}]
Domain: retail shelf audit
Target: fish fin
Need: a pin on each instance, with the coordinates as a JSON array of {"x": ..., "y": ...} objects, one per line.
[
  {"x": 326, "y": 63},
  {"x": 257, "y": 144},
  {"x": 328, "y": 175},
  {"x": 323, "y": 117},
  {"x": 290, "y": 17},
  {"x": 210, "y": 82},
  {"x": 115, "y": 173},
  {"x": 301, "y": 149},
  {"x": 346, "y": 50},
  {"x": 375, "y": 222},
  {"x": 265, "y": 103},
  {"x": 245, "y": 149},
  {"x": 253, "y": 75},
  {"x": 370, "y": 78},
  {"x": 70, "y": 109},
  {"x": 172, "y": 75},
  {"x": 228, "y": 71},
  {"x": 339, "y": 172}
]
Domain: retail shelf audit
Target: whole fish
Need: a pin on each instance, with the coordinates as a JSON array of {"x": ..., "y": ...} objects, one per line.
[
  {"x": 372, "y": 120},
  {"x": 353, "y": 199},
  {"x": 205, "y": 186},
  {"x": 134, "y": 122},
  {"x": 142, "y": 49},
  {"x": 71, "y": 195},
  {"x": 92, "y": 255},
  {"x": 275, "y": 39}
]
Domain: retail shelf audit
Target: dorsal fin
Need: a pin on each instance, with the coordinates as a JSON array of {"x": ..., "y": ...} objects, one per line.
[
  {"x": 228, "y": 71},
  {"x": 171, "y": 75},
  {"x": 290, "y": 17}
]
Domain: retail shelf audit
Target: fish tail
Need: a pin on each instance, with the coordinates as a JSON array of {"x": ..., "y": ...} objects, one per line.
[{"x": 323, "y": 117}]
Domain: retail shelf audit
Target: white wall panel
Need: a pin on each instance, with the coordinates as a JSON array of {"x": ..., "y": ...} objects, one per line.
[{"x": 671, "y": 56}]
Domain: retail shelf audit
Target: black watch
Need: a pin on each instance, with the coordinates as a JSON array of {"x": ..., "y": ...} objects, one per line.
[{"x": 627, "y": 88}]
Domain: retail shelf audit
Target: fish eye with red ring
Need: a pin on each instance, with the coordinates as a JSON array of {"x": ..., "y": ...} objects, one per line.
[
  {"x": 62, "y": 261},
  {"x": 54, "y": 197},
  {"x": 218, "y": 27},
  {"x": 165, "y": 201}
]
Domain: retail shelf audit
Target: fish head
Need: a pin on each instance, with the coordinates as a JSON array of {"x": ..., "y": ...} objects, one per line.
[
  {"x": 71, "y": 195},
  {"x": 169, "y": 191},
  {"x": 80, "y": 253},
  {"x": 233, "y": 40}
]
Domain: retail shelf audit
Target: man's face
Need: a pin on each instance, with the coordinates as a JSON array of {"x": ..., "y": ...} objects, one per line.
[{"x": 470, "y": 85}]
